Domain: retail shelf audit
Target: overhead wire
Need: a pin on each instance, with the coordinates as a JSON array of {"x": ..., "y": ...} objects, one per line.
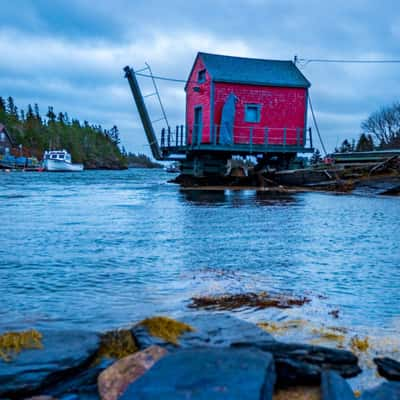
[{"x": 302, "y": 63}]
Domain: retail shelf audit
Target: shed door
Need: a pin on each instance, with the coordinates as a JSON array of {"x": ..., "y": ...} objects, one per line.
[{"x": 198, "y": 124}]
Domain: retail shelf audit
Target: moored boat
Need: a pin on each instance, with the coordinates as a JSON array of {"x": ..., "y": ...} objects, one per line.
[{"x": 59, "y": 161}]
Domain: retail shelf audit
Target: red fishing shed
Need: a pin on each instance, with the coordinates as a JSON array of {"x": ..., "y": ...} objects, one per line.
[
  {"x": 269, "y": 108},
  {"x": 235, "y": 106}
]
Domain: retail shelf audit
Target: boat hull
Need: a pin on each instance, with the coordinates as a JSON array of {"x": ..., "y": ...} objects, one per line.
[{"x": 61, "y": 166}]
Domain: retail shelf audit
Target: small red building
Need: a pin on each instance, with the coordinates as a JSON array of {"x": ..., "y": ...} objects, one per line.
[{"x": 235, "y": 100}]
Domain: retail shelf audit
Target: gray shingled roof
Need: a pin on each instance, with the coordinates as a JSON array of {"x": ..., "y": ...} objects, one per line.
[{"x": 253, "y": 71}]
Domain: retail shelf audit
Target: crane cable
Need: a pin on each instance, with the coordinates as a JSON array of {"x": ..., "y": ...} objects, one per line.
[{"x": 316, "y": 125}]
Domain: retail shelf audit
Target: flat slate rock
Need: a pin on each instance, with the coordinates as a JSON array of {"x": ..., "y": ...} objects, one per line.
[
  {"x": 385, "y": 391},
  {"x": 334, "y": 387},
  {"x": 388, "y": 368},
  {"x": 63, "y": 353},
  {"x": 302, "y": 364},
  {"x": 207, "y": 374},
  {"x": 211, "y": 330}
]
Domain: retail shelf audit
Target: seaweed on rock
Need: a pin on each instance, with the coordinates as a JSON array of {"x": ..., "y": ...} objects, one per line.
[
  {"x": 254, "y": 300},
  {"x": 359, "y": 345},
  {"x": 166, "y": 328},
  {"x": 117, "y": 344},
  {"x": 12, "y": 343}
]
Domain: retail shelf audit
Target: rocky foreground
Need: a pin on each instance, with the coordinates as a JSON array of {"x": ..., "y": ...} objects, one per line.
[{"x": 202, "y": 356}]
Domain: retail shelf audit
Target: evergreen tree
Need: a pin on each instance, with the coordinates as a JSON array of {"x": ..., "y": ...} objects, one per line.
[
  {"x": 365, "y": 143},
  {"x": 37, "y": 112},
  {"x": 316, "y": 157},
  {"x": 22, "y": 113},
  {"x": 60, "y": 117},
  {"x": 10, "y": 105},
  {"x": 114, "y": 134},
  {"x": 2, "y": 105},
  {"x": 346, "y": 146},
  {"x": 50, "y": 114},
  {"x": 29, "y": 113}
]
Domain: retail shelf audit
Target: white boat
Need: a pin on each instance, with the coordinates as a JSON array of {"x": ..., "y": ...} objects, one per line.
[
  {"x": 58, "y": 161},
  {"x": 173, "y": 168}
]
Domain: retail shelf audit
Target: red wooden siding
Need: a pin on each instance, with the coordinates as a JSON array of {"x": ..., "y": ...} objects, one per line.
[
  {"x": 201, "y": 98},
  {"x": 280, "y": 108}
]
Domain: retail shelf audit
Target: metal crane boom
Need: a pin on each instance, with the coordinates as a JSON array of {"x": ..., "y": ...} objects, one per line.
[{"x": 144, "y": 115}]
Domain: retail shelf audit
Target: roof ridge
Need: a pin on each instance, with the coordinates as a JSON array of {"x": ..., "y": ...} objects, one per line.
[{"x": 244, "y": 58}]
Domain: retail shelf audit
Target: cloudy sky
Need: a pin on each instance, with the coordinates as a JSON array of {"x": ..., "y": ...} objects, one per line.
[{"x": 70, "y": 54}]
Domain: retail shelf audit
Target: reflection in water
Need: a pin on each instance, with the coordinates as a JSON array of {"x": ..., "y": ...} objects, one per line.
[{"x": 235, "y": 198}]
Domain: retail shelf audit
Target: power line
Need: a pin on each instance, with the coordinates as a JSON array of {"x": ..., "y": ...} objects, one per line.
[{"x": 306, "y": 61}]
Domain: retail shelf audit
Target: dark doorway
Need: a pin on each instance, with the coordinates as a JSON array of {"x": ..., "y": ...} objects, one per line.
[{"x": 198, "y": 124}]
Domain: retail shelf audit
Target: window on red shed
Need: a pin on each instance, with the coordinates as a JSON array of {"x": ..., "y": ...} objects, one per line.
[
  {"x": 201, "y": 76},
  {"x": 252, "y": 112}
]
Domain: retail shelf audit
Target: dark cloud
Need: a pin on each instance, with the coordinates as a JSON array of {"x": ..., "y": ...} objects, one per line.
[{"x": 70, "y": 54}]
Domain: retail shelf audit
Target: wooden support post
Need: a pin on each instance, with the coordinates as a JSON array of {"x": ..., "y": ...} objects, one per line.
[
  {"x": 163, "y": 137},
  {"x": 186, "y": 134},
  {"x": 181, "y": 135},
  {"x": 284, "y": 136},
  {"x": 176, "y": 135},
  {"x": 169, "y": 137},
  {"x": 309, "y": 130}
]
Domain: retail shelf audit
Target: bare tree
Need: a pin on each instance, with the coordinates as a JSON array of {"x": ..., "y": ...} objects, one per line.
[{"x": 384, "y": 125}]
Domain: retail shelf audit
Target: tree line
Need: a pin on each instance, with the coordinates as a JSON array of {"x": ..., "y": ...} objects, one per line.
[
  {"x": 381, "y": 131},
  {"x": 89, "y": 144}
]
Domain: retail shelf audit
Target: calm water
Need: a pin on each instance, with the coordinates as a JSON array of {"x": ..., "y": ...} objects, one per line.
[{"x": 102, "y": 249}]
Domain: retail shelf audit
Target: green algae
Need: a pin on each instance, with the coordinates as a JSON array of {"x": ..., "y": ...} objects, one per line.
[
  {"x": 12, "y": 343},
  {"x": 166, "y": 328}
]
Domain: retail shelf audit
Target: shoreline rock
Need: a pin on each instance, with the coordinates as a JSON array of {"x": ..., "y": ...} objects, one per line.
[
  {"x": 71, "y": 365},
  {"x": 388, "y": 368},
  {"x": 207, "y": 374},
  {"x": 62, "y": 354},
  {"x": 113, "y": 381}
]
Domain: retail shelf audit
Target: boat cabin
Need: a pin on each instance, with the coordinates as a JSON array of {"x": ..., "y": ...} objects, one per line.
[
  {"x": 235, "y": 101},
  {"x": 61, "y": 155}
]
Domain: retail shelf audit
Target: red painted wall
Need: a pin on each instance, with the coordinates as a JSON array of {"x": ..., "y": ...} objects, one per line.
[
  {"x": 201, "y": 98},
  {"x": 280, "y": 108}
]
